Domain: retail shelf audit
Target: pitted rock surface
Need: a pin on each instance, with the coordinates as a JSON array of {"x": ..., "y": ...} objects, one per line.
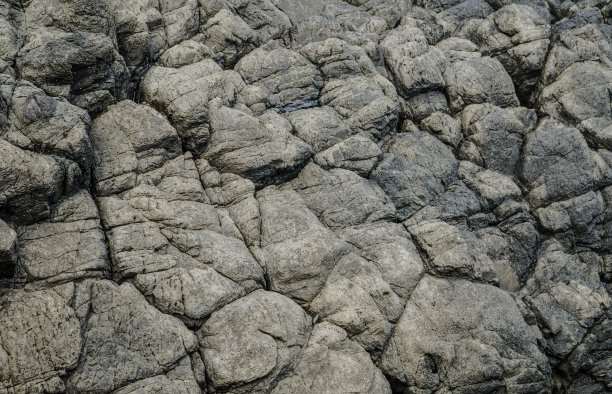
[{"x": 319, "y": 196}]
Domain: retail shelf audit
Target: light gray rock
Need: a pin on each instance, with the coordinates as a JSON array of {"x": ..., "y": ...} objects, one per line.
[
  {"x": 557, "y": 163},
  {"x": 262, "y": 150},
  {"x": 357, "y": 153},
  {"x": 356, "y": 298},
  {"x": 69, "y": 246},
  {"x": 48, "y": 125},
  {"x": 125, "y": 339},
  {"x": 589, "y": 362},
  {"x": 262, "y": 16},
  {"x": 581, "y": 215},
  {"x": 453, "y": 251},
  {"x": 185, "y": 53},
  {"x": 230, "y": 35},
  {"x": 129, "y": 139},
  {"x": 89, "y": 71},
  {"x": 416, "y": 66},
  {"x": 497, "y": 134},
  {"x": 341, "y": 198},
  {"x": 190, "y": 294},
  {"x": 320, "y": 127},
  {"x": 32, "y": 183},
  {"x": 579, "y": 93},
  {"x": 333, "y": 363},
  {"x": 290, "y": 235},
  {"x": 251, "y": 343},
  {"x": 367, "y": 105},
  {"x": 492, "y": 188},
  {"x": 567, "y": 297},
  {"x": 445, "y": 339},
  {"x": 477, "y": 81},
  {"x": 178, "y": 380},
  {"x": 444, "y": 127},
  {"x": 389, "y": 247},
  {"x": 183, "y": 95},
  {"x": 336, "y": 196},
  {"x": 290, "y": 80},
  {"x": 518, "y": 36},
  {"x": 140, "y": 31},
  {"x": 40, "y": 341}
]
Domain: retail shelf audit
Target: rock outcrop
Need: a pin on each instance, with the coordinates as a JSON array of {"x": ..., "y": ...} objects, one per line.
[{"x": 322, "y": 196}]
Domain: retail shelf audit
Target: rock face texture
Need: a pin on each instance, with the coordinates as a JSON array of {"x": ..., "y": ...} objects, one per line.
[{"x": 318, "y": 196}]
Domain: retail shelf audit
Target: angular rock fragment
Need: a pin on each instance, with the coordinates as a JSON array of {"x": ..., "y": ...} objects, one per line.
[
  {"x": 32, "y": 183},
  {"x": 230, "y": 35},
  {"x": 389, "y": 247},
  {"x": 477, "y": 81},
  {"x": 453, "y": 251},
  {"x": 497, "y": 134},
  {"x": 556, "y": 163},
  {"x": 183, "y": 94},
  {"x": 69, "y": 246},
  {"x": 88, "y": 71},
  {"x": 291, "y": 81},
  {"x": 567, "y": 297},
  {"x": 356, "y": 298},
  {"x": 290, "y": 235},
  {"x": 358, "y": 154}
]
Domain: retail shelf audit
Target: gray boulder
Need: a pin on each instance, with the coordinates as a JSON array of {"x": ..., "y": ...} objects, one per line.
[
  {"x": 250, "y": 344},
  {"x": 567, "y": 297},
  {"x": 41, "y": 341},
  {"x": 262, "y": 150},
  {"x": 477, "y": 81},
  {"x": 70, "y": 245},
  {"x": 357, "y": 153},
  {"x": 556, "y": 163},
  {"x": 32, "y": 183},
  {"x": 390, "y": 249},
  {"x": 290, "y": 235},
  {"x": 183, "y": 95},
  {"x": 290, "y": 80},
  {"x": 333, "y": 363},
  {"x": 416, "y": 169},
  {"x": 444, "y": 339},
  {"x": 497, "y": 134},
  {"x": 125, "y": 339},
  {"x": 89, "y": 71}
]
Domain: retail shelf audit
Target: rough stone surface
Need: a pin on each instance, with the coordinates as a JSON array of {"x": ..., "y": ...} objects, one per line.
[{"x": 322, "y": 196}]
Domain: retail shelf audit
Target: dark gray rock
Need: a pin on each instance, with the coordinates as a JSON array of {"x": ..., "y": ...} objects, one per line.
[
  {"x": 416, "y": 170},
  {"x": 8, "y": 246}
]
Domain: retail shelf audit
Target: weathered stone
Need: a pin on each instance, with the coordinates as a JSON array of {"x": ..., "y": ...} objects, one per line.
[
  {"x": 471, "y": 337},
  {"x": 249, "y": 344},
  {"x": 333, "y": 363}
]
